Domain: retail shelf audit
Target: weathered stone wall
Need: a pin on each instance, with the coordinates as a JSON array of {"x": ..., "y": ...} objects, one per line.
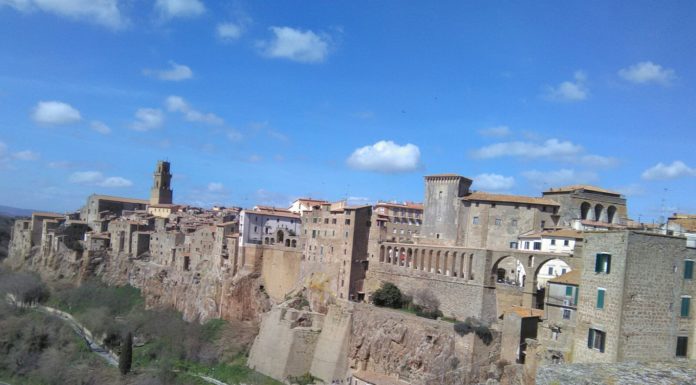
[
  {"x": 441, "y": 207},
  {"x": 330, "y": 361},
  {"x": 280, "y": 271}
]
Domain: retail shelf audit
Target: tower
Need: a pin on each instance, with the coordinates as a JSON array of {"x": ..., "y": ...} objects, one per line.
[
  {"x": 161, "y": 192},
  {"x": 441, "y": 206}
]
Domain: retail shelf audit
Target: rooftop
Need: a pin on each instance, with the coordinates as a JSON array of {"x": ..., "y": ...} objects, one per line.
[
  {"x": 47, "y": 214},
  {"x": 409, "y": 205},
  {"x": 275, "y": 213},
  {"x": 120, "y": 199},
  {"x": 570, "y": 278},
  {"x": 488, "y": 197},
  {"x": 576, "y": 187}
]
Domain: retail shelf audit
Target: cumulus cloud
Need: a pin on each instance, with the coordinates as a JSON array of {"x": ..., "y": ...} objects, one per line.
[
  {"x": 100, "y": 127},
  {"x": 26, "y": 155},
  {"x": 569, "y": 91},
  {"x": 176, "y": 72},
  {"x": 55, "y": 113},
  {"x": 647, "y": 72},
  {"x": 676, "y": 169},
  {"x": 215, "y": 187},
  {"x": 103, "y": 12},
  {"x": 296, "y": 45},
  {"x": 169, "y": 9},
  {"x": 498, "y": 132},
  {"x": 147, "y": 119},
  {"x": 598, "y": 161},
  {"x": 178, "y": 104},
  {"x": 549, "y": 148},
  {"x": 229, "y": 31},
  {"x": 548, "y": 179},
  {"x": 98, "y": 179},
  {"x": 493, "y": 182},
  {"x": 385, "y": 156}
]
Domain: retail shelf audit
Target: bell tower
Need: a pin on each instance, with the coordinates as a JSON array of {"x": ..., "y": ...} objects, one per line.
[{"x": 161, "y": 192}]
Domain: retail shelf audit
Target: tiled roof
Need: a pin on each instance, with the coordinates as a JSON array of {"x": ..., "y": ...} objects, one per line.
[
  {"x": 576, "y": 187},
  {"x": 121, "y": 199},
  {"x": 408, "y": 205},
  {"x": 285, "y": 214},
  {"x": 488, "y": 197},
  {"x": 570, "y": 278},
  {"x": 567, "y": 233}
]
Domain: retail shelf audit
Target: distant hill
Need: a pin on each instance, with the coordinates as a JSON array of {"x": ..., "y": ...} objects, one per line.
[{"x": 14, "y": 212}]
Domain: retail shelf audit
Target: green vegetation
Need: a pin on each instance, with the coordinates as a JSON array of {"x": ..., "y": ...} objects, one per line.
[
  {"x": 388, "y": 295},
  {"x": 477, "y": 326},
  {"x": 126, "y": 358},
  {"x": 233, "y": 372},
  {"x": 423, "y": 304},
  {"x": 305, "y": 379}
]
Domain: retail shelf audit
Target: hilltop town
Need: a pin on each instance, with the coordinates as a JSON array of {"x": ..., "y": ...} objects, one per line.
[{"x": 493, "y": 287}]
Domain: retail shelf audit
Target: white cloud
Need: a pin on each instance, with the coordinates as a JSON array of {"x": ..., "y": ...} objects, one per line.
[
  {"x": 98, "y": 179},
  {"x": 115, "y": 181},
  {"x": 26, "y": 155},
  {"x": 296, "y": 45},
  {"x": 229, "y": 31},
  {"x": 234, "y": 135},
  {"x": 178, "y": 104},
  {"x": 498, "y": 132},
  {"x": 548, "y": 179},
  {"x": 569, "y": 91},
  {"x": 100, "y": 127},
  {"x": 677, "y": 169},
  {"x": 86, "y": 177},
  {"x": 147, "y": 119},
  {"x": 103, "y": 12},
  {"x": 215, "y": 187},
  {"x": 386, "y": 156},
  {"x": 60, "y": 164},
  {"x": 549, "y": 148},
  {"x": 358, "y": 201},
  {"x": 55, "y": 113},
  {"x": 179, "y": 8},
  {"x": 647, "y": 72},
  {"x": 493, "y": 182},
  {"x": 598, "y": 161},
  {"x": 176, "y": 73}
]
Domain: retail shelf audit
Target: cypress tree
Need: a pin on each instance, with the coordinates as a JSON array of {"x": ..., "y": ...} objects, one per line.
[{"x": 126, "y": 358}]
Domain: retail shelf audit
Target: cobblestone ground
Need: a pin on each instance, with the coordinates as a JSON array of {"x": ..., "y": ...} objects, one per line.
[{"x": 627, "y": 373}]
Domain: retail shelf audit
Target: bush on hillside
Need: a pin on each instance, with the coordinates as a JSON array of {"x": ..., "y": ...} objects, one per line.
[
  {"x": 477, "y": 326},
  {"x": 388, "y": 296}
]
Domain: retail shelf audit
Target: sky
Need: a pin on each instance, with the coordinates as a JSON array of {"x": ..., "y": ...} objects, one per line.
[{"x": 262, "y": 102}]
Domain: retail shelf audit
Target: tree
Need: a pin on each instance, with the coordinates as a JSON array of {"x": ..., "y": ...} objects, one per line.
[
  {"x": 126, "y": 358},
  {"x": 388, "y": 295}
]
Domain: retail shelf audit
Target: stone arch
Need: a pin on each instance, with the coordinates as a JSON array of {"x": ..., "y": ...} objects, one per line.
[
  {"x": 437, "y": 263},
  {"x": 598, "y": 211},
  {"x": 585, "y": 210},
  {"x": 455, "y": 265},
  {"x": 280, "y": 236},
  {"x": 294, "y": 243},
  {"x": 422, "y": 260},
  {"x": 390, "y": 254},
  {"x": 414, "y": 264},
  {"x": 409, "y": 257},
  {"x": 508, "y": 269},
  {"x": 266, "y": 241},
  {"x": 287, "y": 242},
  {"x": 430, "y": 261},
  {"x": 611, "y": 214},
  {"x": 381, "y": 253},
  {"x": 445, "y": 264}
]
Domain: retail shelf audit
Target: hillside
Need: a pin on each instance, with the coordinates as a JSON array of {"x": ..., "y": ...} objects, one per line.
[{"x": 5, "y": 232}]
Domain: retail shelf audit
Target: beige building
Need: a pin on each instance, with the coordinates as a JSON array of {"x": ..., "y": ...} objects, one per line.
[
  {"x": 585, "y": 207},
  {"x": 402, "y": 221}
]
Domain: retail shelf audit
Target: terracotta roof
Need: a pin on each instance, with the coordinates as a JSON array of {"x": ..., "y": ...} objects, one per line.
[
  {"x": 488, "y": 197},
  {"x": 310, "y": 200},
  {"x": 408, "y": 205},
  {"x": 687, "y": 221},
  {"x": 378, "y": 378},
  {"x": 120, "y": 199},
  {"x": 271, "y": 208},
  {"x": 164, "y": 205},
  {"x": 568, "y": 233},
  {"x": 47, "y": 214},
  {"x": 570, "y": 278},
  {"x": 601, "y": 224},
  {"x": 525, "y": 312},
  {"x": 576, "y": 187},
  {"x": 285, "y": 214}
]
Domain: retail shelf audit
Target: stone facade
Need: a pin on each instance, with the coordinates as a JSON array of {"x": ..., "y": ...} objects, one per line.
[{"x": 588, "y": 207}]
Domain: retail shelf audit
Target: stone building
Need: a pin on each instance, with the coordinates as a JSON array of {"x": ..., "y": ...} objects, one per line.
[
  {"x": 586, "y": 207},
  {"x": 161, "y": 192},
  {"x": 268, "y": 226},
  {"x": 684, "y": 225},
  {"x": 556, "y": 334},
  {"x": 402, "y": 221},
  {"x": 335, "y": 246},
  {"x": 99, "y": 209},
  {"x": 635, "y": 298}
]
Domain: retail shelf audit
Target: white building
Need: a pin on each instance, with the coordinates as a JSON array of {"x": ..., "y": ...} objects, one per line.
[
  {"x": 267, "y": 225},
  {"x": 555, "y": 241},
  {"x": 301, "y": 205}
]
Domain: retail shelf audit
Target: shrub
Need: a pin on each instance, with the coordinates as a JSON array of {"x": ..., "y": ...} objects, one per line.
[
  {"x": 125, "y": 359},
  {"x": 387, "y": 296},
  {"x": 474, "y": 325},
  {"x": 25, "y": 287}
]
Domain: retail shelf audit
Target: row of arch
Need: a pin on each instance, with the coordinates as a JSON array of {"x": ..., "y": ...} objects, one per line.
[
  {"x": 597, "y": 213},
  {"x": 444, "y": 262},
  {"x": 288, "y": 242}
]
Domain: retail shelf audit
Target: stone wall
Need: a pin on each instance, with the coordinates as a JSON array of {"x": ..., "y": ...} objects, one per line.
[
  {"x": 280, "y": 271},
  {"x": 330, "y": 361}
]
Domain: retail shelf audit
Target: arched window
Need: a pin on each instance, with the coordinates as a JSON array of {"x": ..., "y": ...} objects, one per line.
[
  {"x": 294, "y": 243},
  {"x": 598, "y": 211},
  {"x": 280, "y": 236},
  {"x": 584, "y": 210},
  {"x": 611, "y": 214}
]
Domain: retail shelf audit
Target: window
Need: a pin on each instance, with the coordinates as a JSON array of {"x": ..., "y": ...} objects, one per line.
[
  {"x": 550, "y": 270},
  {"x": 563, "y": 271},
  {"x": 602, "y": 263},
  {"x": 600, "y": 298},
  {"x": 314, "y": 233},
  {"x": 682, "y": 343},
  {"x": 566, "y": 242},
  {"x": 537, "y": 245},
  {"x": 685, "y": 304},
  {"x": 553, "y": 242},
  {"x": 569, "y": 291},
  {"x": 347, "y": 221},
  {"x": 514, "y": 222},
  {"x": 526, "y": 245},
  {"x": 492, "y": 205},
  {"x": 595, "y": 340},
  {"x": 513, "y": 245},
  {"x": 326, "y": 221},
  {"x": 543, "y": 224},
  {"x": 333, "y": 221},
  {"x": 498, "y": 221},
  {"x": 688, "y": 269},
  {"x": 476, "y": 220},
  {"x": 566, "y": 313}
]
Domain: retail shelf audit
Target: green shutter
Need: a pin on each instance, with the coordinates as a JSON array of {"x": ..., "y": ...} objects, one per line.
[
  {"x": 608, "y": 256},
  {"x": 688, "y": 269},
  {"x": 685, "y": 303},
  {"x": 598, "y": 263},
  {"x": 600, "y": 299},
  {"x": 569, "y": 291},
  {"x": 589, "y": 338}
]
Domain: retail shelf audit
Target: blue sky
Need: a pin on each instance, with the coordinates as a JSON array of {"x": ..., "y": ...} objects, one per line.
[{"x": 263, "y": 102}]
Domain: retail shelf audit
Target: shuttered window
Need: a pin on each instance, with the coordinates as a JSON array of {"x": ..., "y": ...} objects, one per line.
[
  {"x": 688, "y": 269},
  {"x": 602, "y": 263},
  {"x": 595, "y": 339},
  {"x": 600, "y": 298},
  {"x": 682, "y": 343},
  {"x": 569, "y": 291},
  {"x": 685, "y": 304}
]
